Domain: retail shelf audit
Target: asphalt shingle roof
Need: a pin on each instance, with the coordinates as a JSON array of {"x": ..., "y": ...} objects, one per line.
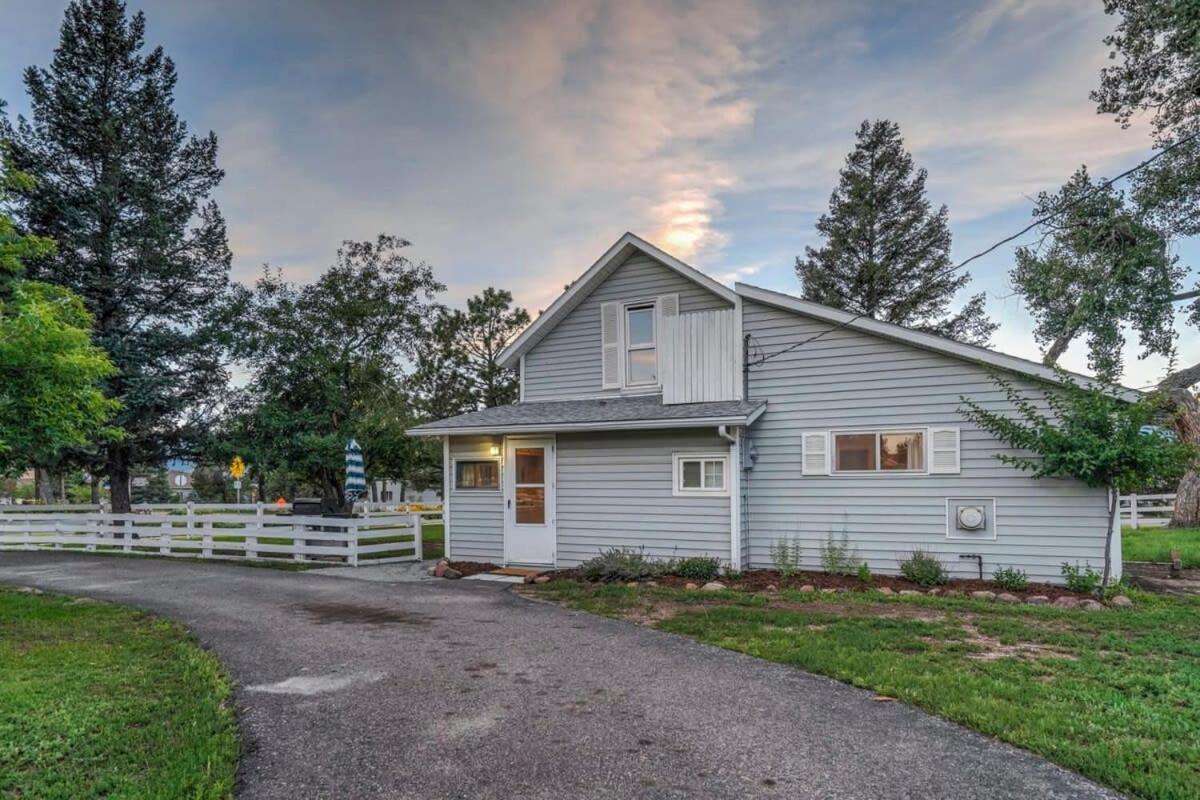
[{"x": 583, "y": 412}]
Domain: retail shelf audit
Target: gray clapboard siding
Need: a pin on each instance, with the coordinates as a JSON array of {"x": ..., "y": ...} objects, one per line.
[
  {"x": 848, "y": 379},
  {"x": 615, "y": 490},
  {"x": 566, "y": 363},
  {"x": 476, "y": 517}
]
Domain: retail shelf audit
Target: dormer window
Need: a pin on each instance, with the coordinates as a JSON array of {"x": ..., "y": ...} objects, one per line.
[{"x": 641, "y": 352}]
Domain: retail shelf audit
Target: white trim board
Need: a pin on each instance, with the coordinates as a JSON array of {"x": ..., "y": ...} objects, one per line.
[
  {"x": 582, "y": 287},
  {"x": 926, "y": 341},
  {"x": 567, "y": 427}
]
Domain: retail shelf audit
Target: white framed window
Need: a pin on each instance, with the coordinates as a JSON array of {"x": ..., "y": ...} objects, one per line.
[
  {"x": 887, "y": 451},
  {"x": 701, "y": 473},
  {"x": 477, "y": 475},
  {"x": 641, "y": 346}
]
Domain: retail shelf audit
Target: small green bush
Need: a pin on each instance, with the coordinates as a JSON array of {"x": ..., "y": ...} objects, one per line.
[
  {"x": 864, "y": 573},
  {"x": 620, "y": 564},
  {"x": 1083, "y": 579},
  {"x": 697, "y": 568},
  {"x": 838, "y": 557},
  {"x": 1011, "y": 578},
  {"x": 785, "y": 556},
  {"x": 923, "y": 569}
]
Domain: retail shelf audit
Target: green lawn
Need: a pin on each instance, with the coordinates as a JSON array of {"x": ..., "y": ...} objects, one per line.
[
  {"x": 1114, "y": 695},
  {"x": 102, "y": 701},
  {"x": 1156, "y": 544},
  {"x": 433, "y": 540}
]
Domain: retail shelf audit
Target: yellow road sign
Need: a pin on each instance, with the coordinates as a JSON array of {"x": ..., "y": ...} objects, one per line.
[{"x": 237, "y": 468}]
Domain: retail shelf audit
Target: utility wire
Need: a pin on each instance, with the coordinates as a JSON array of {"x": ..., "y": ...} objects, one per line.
[{"x": 1039, "y": 221}]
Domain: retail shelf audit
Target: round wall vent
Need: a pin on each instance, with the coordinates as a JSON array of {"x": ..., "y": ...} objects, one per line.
[{"x": 971, "y": 518}]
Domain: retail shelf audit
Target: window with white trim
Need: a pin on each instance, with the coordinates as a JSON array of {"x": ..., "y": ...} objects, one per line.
[
  {"x": 879, "y": 451},
  {"x": 706, "y": 474},
  {"x": 477, "y": 475},
  {"x": 641, "y": 350}
]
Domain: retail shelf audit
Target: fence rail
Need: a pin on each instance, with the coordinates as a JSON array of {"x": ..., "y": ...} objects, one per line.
[
  {"x": 220, "y": 532},
  {"x": 1146, "y": 510}
]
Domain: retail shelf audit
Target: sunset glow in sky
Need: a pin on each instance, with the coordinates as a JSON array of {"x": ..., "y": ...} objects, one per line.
[{"x": 513, "y": 143}]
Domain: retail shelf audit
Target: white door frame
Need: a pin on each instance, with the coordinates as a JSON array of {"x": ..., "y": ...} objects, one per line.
[{"x": 525, "y": 543}]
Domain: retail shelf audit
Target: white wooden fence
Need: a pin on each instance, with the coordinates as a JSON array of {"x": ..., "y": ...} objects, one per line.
[
  {"x": 250, "y": 532},
  {"x": 1146, "y": 510}
]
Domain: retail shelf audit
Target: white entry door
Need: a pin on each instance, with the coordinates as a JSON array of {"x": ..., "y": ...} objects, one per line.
[{"x": 529, "y": 501}]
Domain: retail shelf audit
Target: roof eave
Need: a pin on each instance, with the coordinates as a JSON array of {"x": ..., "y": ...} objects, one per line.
[
  {"x": 580, "y": 427},
  {"x": 927, "y": 341}
]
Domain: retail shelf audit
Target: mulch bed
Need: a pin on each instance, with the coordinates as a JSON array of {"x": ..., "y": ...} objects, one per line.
[
  {"x": 472, "y": 567},
  {"x": 758, "y": 580}
]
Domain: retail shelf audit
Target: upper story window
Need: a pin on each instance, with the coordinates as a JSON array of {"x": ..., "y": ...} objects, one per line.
[{"x": 641, "y": 352}]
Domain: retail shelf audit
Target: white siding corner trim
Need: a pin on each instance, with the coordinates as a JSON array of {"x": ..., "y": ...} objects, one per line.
[
  {"x": 944, "y": 451},
  {"x": 734, "y": 479},
  {"x": 447, "y": 490},
  {"x": 815, "y": 455}
]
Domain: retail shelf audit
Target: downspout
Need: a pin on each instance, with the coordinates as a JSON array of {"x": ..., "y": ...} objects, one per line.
[{"x": 735, "y": 496}]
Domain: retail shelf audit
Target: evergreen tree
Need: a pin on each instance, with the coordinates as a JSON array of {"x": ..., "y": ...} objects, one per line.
[
  {"x": 123, "y": 188},
  {"x": 887, "y": 253}
]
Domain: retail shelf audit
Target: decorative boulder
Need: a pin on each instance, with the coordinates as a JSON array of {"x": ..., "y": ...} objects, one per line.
[
  {"x": 1005, "y": 597},
  {"x": 1037, "y": 600},
  {"x": 451, "y": 573},
  {"x": 908, "y": 592},
  {"x": 632, "y": 584},
  {"x": 1066, "y": 602},
  {"x": 1091, "y": 605},
  {"x": 807, "y": 588},
  {"x": 713, "y": 586},
  {"x": 934, "y": 592},
  {"x": 1121, "y": 601},
  {"x": 439, "y": 569},
  {"x": 690, "y": 585},
  {"x": 885, "y": 590},
  {"x": 771, "y": 588},
  {"x": 983, "y": 595},
  {"x": 542, "y": 579}
]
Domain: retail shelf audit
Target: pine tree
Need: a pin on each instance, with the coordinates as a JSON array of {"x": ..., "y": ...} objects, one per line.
[
  {"x": 887, "y": 253},
  {"x": 124, "y": 189}
]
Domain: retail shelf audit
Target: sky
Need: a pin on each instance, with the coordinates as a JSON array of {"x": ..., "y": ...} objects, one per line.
[{"x": 513, "y": 142}]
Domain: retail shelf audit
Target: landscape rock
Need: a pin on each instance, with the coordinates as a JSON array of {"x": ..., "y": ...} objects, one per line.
[
  {"x": 439, "y": 569},
  {"x": 1037, "y": 600},
  {"x": 908, "y": 592},
  {"x": 652, "y": 583},
  {"x": 1066, "y": 602},
  {"x": 1121, "y": 601},
  {"x": 934, "y": 592},
  {"x": 542, "y": 579},
  {"x": 772, "y": 588},
  {"x": 530, "y": 578},
  {"x": 1005, "y": 597},
  {"x": 451, "y": 573},
  {"x": 690, "y": 586},
  {"x": 808, "y": 587},
  {"x": 953, "y": 593},
  {"x": 1091, "y": 605},
  {"x": 713, "y": 586},
  {"x": 886, "y": 590},
  {"x": 984, "y": 595},
  {"x": 632, "y": 584}
]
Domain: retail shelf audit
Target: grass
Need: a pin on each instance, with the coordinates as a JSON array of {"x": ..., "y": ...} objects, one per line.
[
  {"x": 1114, "y": 695},
  {"x": 1156, "y": 544},
  {"x": 102, "y": 701}
]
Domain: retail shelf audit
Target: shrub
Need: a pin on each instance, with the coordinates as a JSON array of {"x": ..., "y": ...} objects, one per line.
[
  {"x": 1015, "y": 580},
  {"x": 923, "y": 569},
  {"x": 620, "y": 564},
  {"x": 837, "y": 557},
  {"x": 864, "y": 572},
  {"x": 785, "y": 556},
  {"x": 1081, "y": 579},
  {"x": 699, "y": 568}
]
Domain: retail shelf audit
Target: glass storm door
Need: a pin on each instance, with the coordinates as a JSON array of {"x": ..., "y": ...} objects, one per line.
[{"x": 529, "y": 501}]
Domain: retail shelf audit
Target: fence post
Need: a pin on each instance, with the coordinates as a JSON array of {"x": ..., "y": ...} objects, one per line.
[
  {"x": 297, "y": 552},
  {"x": 1133, "y": 510},
  {"x": 252, "y": 540},
  {"x": 352, "y": 545},
  {"x": 418, "y": 535},
  {"x": 89, "y": 532}
]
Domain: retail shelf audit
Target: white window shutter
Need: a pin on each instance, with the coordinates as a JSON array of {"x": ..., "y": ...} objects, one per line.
[
  {"x": 944, "y": 450},
  {"x": 815, "y": 453},
  {"x": 666, "y": 307},
  {"x": 610, "y": 345}
]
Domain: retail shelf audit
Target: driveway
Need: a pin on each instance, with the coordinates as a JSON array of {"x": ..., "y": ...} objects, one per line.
[{"x": 356, "y": 689}]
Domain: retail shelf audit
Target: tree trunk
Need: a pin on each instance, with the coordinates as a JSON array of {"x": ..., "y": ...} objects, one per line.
[
  {"x": 43, "y": 485},
  {"x": 1114, "y": 502},
  {"x": 95, "y": 488},
  {"x": 1187, "y": 426},
  {"x": 117, "y": 469}
]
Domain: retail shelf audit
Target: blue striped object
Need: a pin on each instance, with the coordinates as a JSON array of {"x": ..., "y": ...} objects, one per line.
[
  {"x": 356, "y": 476},
  {"x": 1158, "y": 430}
]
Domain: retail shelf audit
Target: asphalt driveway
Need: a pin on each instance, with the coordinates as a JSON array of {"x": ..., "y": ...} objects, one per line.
[{"x": 354, "y": 689}]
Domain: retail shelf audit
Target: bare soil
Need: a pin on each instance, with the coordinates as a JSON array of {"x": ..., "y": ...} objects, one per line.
[{"x": 473, "y": 567}]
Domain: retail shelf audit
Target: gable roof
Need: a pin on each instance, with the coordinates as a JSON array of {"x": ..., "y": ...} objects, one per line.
[
  {"x": 595, "y": 275},
  {"x": 925, "y": 341}
]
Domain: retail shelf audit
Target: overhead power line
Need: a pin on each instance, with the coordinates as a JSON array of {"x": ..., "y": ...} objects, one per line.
[{"x": 1039, "y": 221}]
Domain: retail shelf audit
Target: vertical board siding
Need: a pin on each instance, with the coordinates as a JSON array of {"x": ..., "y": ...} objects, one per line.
[
  {"x": 476, "y": 517},
  {"x": 698, "y": 357},
  {"x": 848, "y": 379},
  {"x": 615, "y": 490},
  {"x": 566, "y": 363}
]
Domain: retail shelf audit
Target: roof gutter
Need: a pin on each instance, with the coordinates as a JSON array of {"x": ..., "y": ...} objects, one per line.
[{"x": 569, "y": 427}]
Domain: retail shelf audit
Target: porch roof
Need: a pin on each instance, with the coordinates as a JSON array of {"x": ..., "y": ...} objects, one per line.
[{"x": 615, "y": 413}]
